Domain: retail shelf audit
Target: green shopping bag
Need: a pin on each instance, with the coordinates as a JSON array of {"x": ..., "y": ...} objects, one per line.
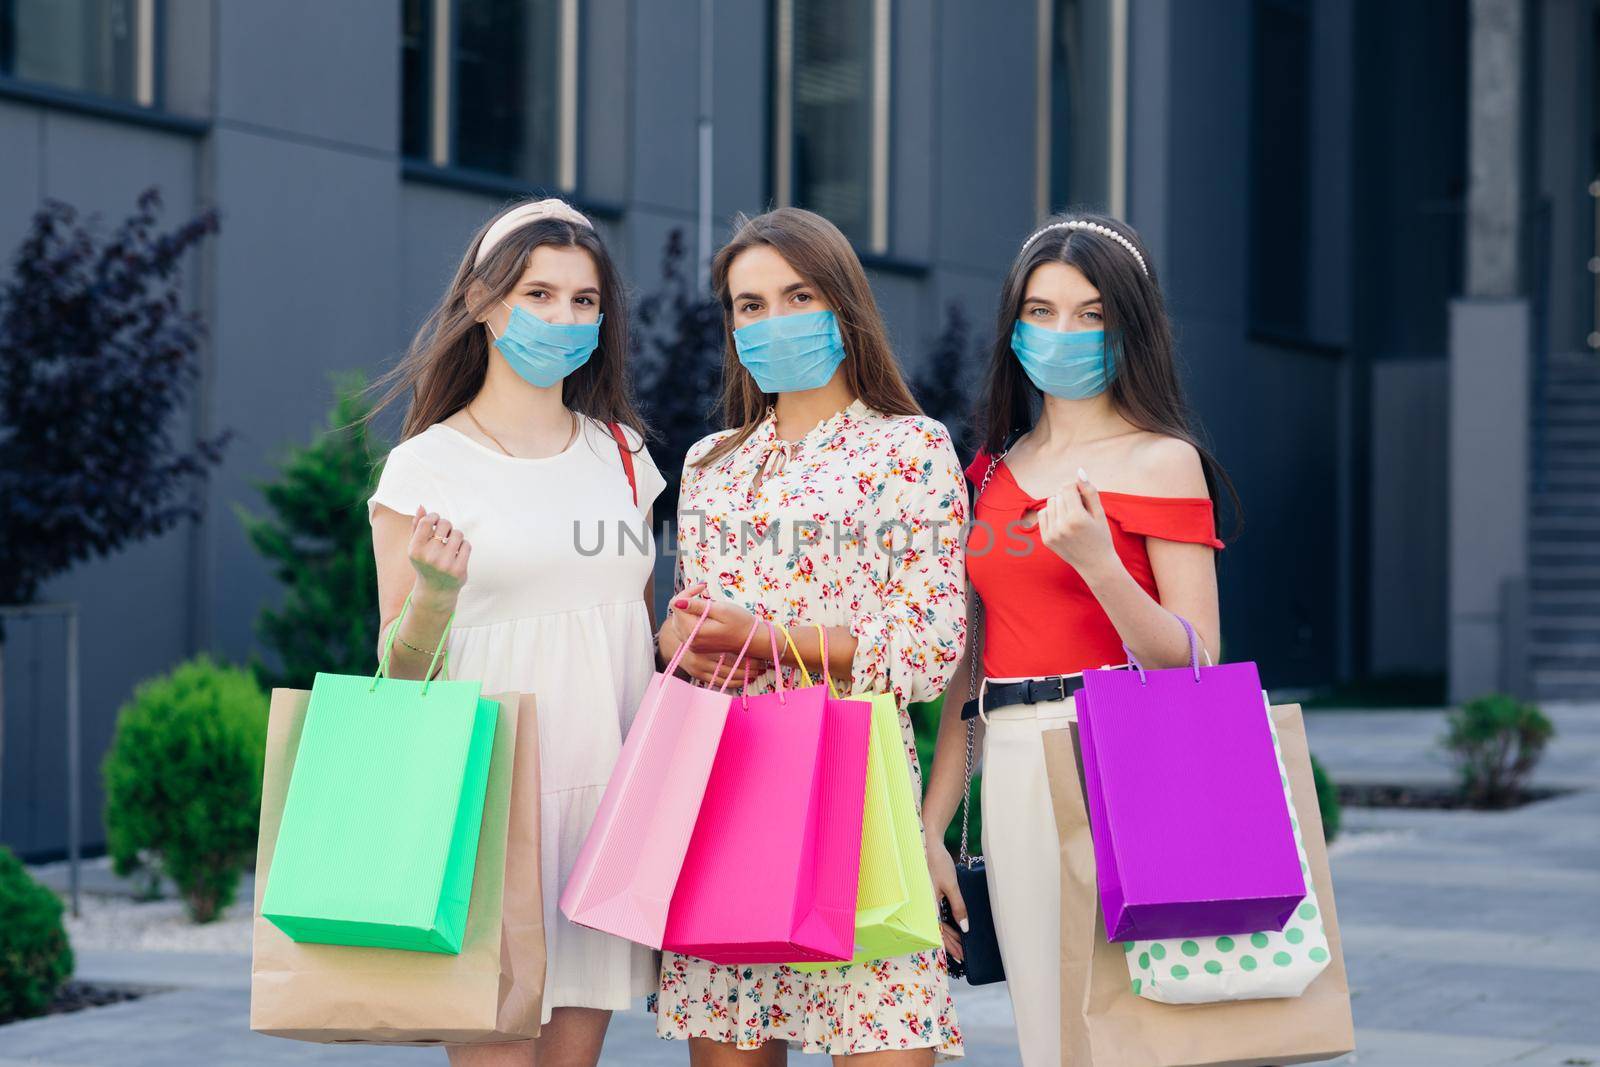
[
  {"x": 379, "y": 836},
  {"x": 895, "y": 910}
]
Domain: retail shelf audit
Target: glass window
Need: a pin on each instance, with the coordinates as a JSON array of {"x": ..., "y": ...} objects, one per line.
[
  {"x": 98, "y": 47},
  {"x": 497, "y": 98},
  {"x": 1080, "y": 105},
  {"x": 832, "y": 103},
  {"x": 1280, "y": 166}
]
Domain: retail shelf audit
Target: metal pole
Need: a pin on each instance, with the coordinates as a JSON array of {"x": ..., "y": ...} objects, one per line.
[
  {"x": 74, "y": 762},
  {"x": 74, "y": 732},
  {"x": 707, "y": 82}
]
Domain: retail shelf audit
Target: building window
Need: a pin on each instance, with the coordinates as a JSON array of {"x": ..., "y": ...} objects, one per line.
[
  {"x": 1280, "y": 169},
  {"x": 1077, "y": 58},
  {"x": 831, "y": 113},
  {"x": 102, "y": 48},
  {"x": 491, "y": 86}
]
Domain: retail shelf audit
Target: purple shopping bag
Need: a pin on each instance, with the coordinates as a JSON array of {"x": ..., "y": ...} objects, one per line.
[
  {"x": 1186, "y": 806},
  {"x": 773, "y": 866}
]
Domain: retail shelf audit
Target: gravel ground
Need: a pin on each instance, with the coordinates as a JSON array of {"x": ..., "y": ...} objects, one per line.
[{"x": 156, "y": 926}]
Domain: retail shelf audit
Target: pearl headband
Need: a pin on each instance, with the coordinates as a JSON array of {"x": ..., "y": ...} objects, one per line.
[
  {"x": 550, "y": 208},
  {"x": 1092, "y": 227}
]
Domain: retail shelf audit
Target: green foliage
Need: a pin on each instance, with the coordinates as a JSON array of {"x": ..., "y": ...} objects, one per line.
[
  {"x": 943, "y": 382},
  {"x": 319, "y": 545},
  {"x": 1496, "y": 741},
  {"x": 925, "y": 724},
  {"x": 183, "y": 781},
  {"x": 1327, "y": 800},
  {"x": 35, "y": 956},
  {"x": 1426, "y": 690}
]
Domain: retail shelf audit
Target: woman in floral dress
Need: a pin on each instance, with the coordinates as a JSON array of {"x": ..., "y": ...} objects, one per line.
[{"x": 830, "y": 499}]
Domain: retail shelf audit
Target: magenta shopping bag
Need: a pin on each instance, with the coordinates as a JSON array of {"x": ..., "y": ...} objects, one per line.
[
  {"x": 773, "y": 865},
  {"x": 624, "y": 876},
  {"x": 1186, "y": 803}
]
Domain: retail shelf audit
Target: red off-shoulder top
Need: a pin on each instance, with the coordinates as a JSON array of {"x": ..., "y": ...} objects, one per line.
[{"x": 1040, "y": 617}]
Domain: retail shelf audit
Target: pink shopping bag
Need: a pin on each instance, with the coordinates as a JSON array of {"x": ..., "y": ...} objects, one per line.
[
  {"x": 1186, "y": 804},
  {"x": 773, "y": 865},
  {"x": 624, "y": 876}
]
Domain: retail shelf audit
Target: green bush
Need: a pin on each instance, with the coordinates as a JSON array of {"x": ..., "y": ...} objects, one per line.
[
  {"x": 318, "y": 544},
  {"x": 35, "y": 957},
  {"x": 1327, "y": 800},
  {"x": 1496, "y": 741},
  {"x": 925, "y": 724},
  {"x": 183, "y": 781}
]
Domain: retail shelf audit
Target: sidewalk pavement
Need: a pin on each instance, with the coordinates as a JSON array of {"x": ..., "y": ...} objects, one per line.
[{"x": 1472, "y": 938}]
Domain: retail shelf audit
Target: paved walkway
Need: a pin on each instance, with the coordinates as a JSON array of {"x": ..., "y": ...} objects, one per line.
[{"x": 1472, "y": 939}]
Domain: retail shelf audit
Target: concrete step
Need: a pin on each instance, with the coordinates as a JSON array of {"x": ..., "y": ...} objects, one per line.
[
  {"x": 1566, "y": 409},
  {"x": 1556, "y": 501},
  {"x": 1561, "y": 627},
  {"x": 1558, "y": 525},
  {"x": 1564, "y": 578},
  {"x": 1566, "y": 595},
  {"x": 1554, "y": 557},
  {"x": 1568, "y": 483},
  {"x": 1569, "y": 685},
  {"x": 1580, "y": 650},
  {"x": 1567, "y": 515}
]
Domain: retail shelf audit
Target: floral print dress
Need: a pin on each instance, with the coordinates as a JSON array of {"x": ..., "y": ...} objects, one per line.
[{"x": 857, "y": 524}]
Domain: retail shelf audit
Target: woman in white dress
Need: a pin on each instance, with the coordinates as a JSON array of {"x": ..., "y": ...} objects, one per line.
[{"x": 521, "y": 454}]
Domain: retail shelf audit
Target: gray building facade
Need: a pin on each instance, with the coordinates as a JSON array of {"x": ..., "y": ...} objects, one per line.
[{"x": 1299, "y": 169}]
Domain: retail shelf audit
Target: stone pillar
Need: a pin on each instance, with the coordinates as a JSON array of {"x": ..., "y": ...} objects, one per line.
[{"x": 1490, "y": 349}]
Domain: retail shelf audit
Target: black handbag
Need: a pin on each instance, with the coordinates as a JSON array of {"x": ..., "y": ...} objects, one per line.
[{"x": 980, "y": 948}]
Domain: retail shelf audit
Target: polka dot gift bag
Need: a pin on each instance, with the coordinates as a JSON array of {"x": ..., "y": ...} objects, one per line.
[{"x": 1247, "y": 966}]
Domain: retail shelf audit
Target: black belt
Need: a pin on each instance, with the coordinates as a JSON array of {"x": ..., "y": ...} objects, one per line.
[{"x": 1028, "y": 691}]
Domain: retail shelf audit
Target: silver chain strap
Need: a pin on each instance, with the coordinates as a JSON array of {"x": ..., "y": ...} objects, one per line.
[{"x": 965, "y": 858}]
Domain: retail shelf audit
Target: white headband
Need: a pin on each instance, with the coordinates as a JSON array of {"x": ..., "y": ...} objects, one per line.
[
  {"x": 550, "y": 208},
  {"x": 1092, "y": 227}
]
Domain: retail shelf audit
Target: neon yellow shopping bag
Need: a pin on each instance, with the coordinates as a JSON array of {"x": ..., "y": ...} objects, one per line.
[{"x": 895, "y": 910}]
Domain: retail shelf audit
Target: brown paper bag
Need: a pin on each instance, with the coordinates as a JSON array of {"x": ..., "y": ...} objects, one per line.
[
  {"x": 491, "y": 991},
  {"x": 1105, "y": 1024}
]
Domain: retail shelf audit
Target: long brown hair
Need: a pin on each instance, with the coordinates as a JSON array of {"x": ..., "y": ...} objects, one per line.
[
  {"x": 449, "y": 358},
  {"x": 1146, "y": 389},
  {"x": 821, "y": 255}
]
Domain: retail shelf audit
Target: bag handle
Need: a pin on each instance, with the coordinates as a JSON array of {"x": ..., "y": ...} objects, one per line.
[
  {"x": 677, "y": 657},
  {"x": 965, "y": 858},
  {"x": 1194, "y": 652},
  {"x": 805, "y": 675},
  {"x": 388, "y": 649},
  {"x": 822, "y": 634},
  {"x": 822, "y": 638},
  {"x": 723, "y": 688},
  {"x": 627, "y": 459}
]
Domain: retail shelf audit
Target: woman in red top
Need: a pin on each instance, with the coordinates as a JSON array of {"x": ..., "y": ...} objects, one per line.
[{"x": 1093, "y": 528}]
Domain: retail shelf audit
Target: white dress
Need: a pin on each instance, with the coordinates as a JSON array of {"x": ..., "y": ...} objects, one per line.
[{"x": 554, "y": 606}]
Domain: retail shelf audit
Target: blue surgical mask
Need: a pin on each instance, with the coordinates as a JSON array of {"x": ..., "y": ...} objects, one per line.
[
  {"x": 1074, "y": 365},
  {"x": 543, "y": 353},
  {"x": 791, "y": 353}
]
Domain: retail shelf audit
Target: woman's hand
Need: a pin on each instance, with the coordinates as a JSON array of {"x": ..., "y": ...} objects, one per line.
[
  {"x": 439, "y": 555},
  {"x": 711, "y": 656},
  {"x": 942, "y": 869},
  {"x": 1073, "y": 525}
]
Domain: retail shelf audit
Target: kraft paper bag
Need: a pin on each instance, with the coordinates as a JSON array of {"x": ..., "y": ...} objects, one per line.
[
  {"x": 1104, "y": 1023},
  {"x": 490, "y": 991}
]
